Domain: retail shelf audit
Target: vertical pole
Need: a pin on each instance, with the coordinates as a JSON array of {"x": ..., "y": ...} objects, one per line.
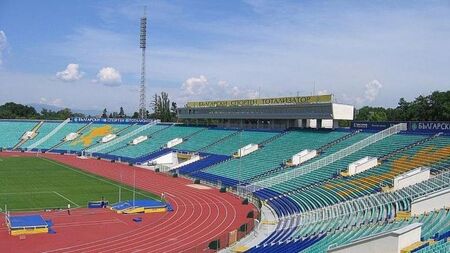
[
  {"x": 240, "y": 157},
  {"x": 143, "y": 45},
  {"x": 120, "y": 187},
  {"x": 134, "y": 185}
]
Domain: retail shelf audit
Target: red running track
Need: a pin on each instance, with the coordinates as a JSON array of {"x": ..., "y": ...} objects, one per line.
[{"x": 200, "y": 217}]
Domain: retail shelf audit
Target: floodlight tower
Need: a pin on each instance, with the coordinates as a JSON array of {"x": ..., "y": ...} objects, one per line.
[{"x": 143, "y": 45}]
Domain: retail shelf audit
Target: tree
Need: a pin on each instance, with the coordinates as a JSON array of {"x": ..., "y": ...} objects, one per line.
[
  {"x": 154, "y": 106},
  {"x": 105, "y": 115},
  {"x": 433, "y": 107},
  {"x": 173, "y": 110},
  {"x": 121, "y": 113},
  {"x": 372, "y": 114},
  {"x": 64, "y": 113},
  {"x": 162, "y": 108},
  {"x": 165, "y": 107},
  {"x": 17, "y": 111}
]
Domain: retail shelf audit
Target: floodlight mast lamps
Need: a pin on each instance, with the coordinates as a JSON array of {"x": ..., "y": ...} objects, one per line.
[{"x": 143, "y": 45}]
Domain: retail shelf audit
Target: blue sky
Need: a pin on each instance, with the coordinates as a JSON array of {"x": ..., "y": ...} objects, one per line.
[{"x": 85, "y": 54}]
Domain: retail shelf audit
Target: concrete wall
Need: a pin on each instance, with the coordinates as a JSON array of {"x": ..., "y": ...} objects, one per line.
[
  {"x": 361, "y": 165},
  {"x": 411, "y": 177},
  {"x": 250, "y": 148},
  {"x": 431, "y": 202},
  {"x": 174, "y": 142},
  {"x": 108, "y": 138},
  {"x": 391, "y": 242},
  {"x": 170, "y": 158},
  {"x": 139, "y": 139},
  {"x": 303, "y": 156}
]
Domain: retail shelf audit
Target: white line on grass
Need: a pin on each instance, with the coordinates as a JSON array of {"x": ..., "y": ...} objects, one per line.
[
  {"x": 42, "y": 207},
  {"x": 95, "y": 177},
  {"x": 62, "y": 196},
  {"x": 18, "y": 193}
]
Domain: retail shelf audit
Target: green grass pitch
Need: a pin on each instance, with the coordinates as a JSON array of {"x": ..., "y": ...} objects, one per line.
[{"x": 32, "y": 183}]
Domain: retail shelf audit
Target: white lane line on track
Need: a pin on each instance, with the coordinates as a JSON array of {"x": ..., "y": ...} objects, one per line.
[
  {"x": 233, "y": 217},
  {"x": 107, "y": 241},
  {"x": 162, "y": 234},
  {"x": 190, "y": 235},
  {"x": 182, "y": 216},
  {"x": 156, "y": 231}
]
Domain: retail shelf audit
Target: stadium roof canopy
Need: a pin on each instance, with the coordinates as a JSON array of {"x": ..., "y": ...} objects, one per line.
[{"x": 285, "y": 110}]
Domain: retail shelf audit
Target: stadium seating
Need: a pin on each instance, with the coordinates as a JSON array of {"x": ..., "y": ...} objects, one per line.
[
  {"x": 442, "y": 246},
  {"x": 273, "y": 154},
  {"x": 432, "y": 224},
  {"x": 325, "y": 150},
  {"x": 377, "y": 149},
  {"x": 156, "y": 141},
  {"x": 59, "y": 136},
  {"x": 317, "y": 196},
  {"x": 204, "y": 139},
  {"x": 230, "y": 145},
  {"x": 12, "y": 131},
  {"x": 45, "y": 129},
  {"x": 344, "y": 188},
  {"x": 115, "y": 149},
  {"x": 92, "y": 134}
]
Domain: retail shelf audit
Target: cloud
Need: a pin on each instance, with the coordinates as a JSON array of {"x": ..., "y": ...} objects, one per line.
[
  {"x": 3, "y": 44},
  {"x": 372, "y": 90},
  {"x": 194, "y": 85},
  {"x": 85, "y": 95},
  {"x": 71, "y": 73},
  {"x": 200, "y": 88},
  {"x": 278, "y": 48},
  {"x": 55, "y": 102},
  {"x": 323, "y": 92},
  {"x": 109, "y": 76}
]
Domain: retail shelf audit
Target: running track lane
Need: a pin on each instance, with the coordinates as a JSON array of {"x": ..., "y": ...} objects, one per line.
[{"x": 200, "y": 216}]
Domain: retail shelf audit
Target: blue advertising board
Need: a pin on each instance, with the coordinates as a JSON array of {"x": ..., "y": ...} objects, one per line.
[
  {"x": 113, "y": 120},
  {"x": 429, "y": 126},
  {"x": 413, "y": 126},
  {"x": 367, "y": 125}
]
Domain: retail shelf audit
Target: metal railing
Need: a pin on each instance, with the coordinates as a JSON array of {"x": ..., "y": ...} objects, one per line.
[
  {"x": 302, "y": 170},
  {"x": 355, "y": 207},
  {"x": 45, "y": 138}
]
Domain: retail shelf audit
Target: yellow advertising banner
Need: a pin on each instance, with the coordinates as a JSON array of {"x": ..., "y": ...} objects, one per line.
[{"x": 263, "y": 101}]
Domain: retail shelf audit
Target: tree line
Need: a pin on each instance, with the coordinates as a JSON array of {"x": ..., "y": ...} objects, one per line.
[
  {"x": 12, "y": 110},
  {"x": 161, "y": 106},
  {"x": 434, "y": 107}
]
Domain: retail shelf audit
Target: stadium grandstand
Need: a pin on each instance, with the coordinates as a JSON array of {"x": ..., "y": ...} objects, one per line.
[{"x": 264, "y": 175}]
